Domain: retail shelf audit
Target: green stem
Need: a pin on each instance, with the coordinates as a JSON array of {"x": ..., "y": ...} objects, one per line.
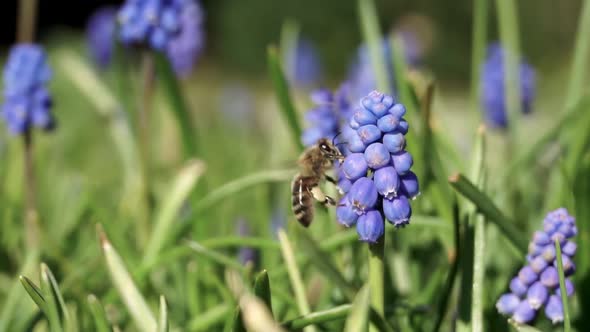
[
  {"x": 566, "y": 313},
  {"x": 579, "y": 64},
  {"x": 373, "y": 39},
  {"x": 27, "y": 17},
  {"x": 480, "y": 15},
  {"x": 376, "y": 276},
  {"x": 145, "y": 132},
  {"x": 31, "y": 216}
]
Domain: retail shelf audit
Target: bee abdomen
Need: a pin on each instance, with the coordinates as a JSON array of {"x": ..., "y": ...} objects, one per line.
[{"x": 302, "y": 201}]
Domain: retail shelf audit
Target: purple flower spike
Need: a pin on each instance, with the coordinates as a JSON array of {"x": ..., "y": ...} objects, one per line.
[
  {"x": 379, "y": 185},
  {"x": 548, "y": 253},
  {"x": 554, "y": 309},
  {"x": 397, "y": 210},
  {"x": 388, "y": 123},
  {"x": 377, "y": 156},
  {"x": 346, "y": 215},
  {"x": 370, "y": 226},
  {"x": 355, "y": 166},
  {"x": 303, "y": 64},
  {"x": 524, "y": 313},
  {"x": 402, "y": 162},
  {"x": 527, "y": 275},
  {"x": 394, "y": 142},
  {"x": 387, "y": 182},
  {"x": 518, "y": 287},
  {"x": 569, "y": 287},
  {"x": 369, "y": 133},
  {"x": 538, "y": 264},
  {"x": 507, "y": 303},
  {"x": 550, "y": 277},
  {"x": 100, "y": 31},
  {"x": 541, "y": 238},
  {"x": 569, "y": 248},
  {"x": 364, "y": 117},
  {"x": 363, "y": 195},
  {"x": 537, "y": 295}
]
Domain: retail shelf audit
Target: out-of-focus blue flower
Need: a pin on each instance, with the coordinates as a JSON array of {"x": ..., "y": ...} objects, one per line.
[
  {"x": 303, "y": 64},
  {"x": 537, "y": 283},
  {"x": 378, "y": 191},
  {"x": 27, "y": 101},
  {"x": 492, "y": 83},
  {"x": 100, "y": 31},
  {"x": 170, "y": 26},
  {"x": 328, "y": 116},
  {"x": 246, "y": 255},
  {"x": 237, "y": 104},
  {"x": 361, "y": 75}
]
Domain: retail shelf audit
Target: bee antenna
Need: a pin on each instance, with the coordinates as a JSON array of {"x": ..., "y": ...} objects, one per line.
[{"x": 334, "y": 138}]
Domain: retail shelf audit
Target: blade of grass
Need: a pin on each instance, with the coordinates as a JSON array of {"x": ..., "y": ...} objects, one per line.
[
  {"x": 262, "y": 289},
  {"x": 35, "y": 293},
  {"x": 358, "y": 319},
  {"x": 477, "y": 293},
  {"x": 50, "y": 302},
  {"x": 485, "y": 205},
  {"x": 98, "y": 314},
  {"x": 11, "y": 301},
  {"x": 369, "y": 22},
  {"x": 178, "y": 104},
  {"x": 579, "y": 68},
  {"x": 47, "y": 274},
  {"x": 325, "y": 264},
  {"x": 566, "y": 313},
  {"x": 282, "y": 92},
  {"x": 257, "y": 317},
  {"x": 181, "y": 188},
  {"x": 134, "y": 301},
  {"x": 295, "y": 277},
  {"x": 318, "y": 317},
  {"x": 206, "y": 320},
  {"x": 163, "y": 318},
  {"x": 288, "y": 46},
  {"x": 402, "y": 86}
]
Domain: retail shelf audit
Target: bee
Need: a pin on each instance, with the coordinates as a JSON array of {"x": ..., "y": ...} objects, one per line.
[{"x": 313, "y": 163}]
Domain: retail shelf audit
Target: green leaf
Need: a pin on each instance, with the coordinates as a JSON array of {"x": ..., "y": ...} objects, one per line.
[
  {"x": 11, "y": 300},
  {"x": 318, "y": 317},
  {"x": 485, "y": 206},
  {"x": 579, "y": 67},
  {"x": 282, "y": 92},
  {"x": 178, "y": 104},
  {"x": 369, "y": 22},
  {"x": 206, "y": 320},
  {"x": 35, "y": 293},
  {"x": 566, "y": 313},
  {"x": 52, "y": 312},
  {"x": 180, "y": 189},
  {"x": 262, "y": 288},
  {"x": 134, "y": 301},
  {"x": 358, "y": 319},
  {"x": 238, "y": 323},
  {"x": 101, "y": 322},
  {"x": 294, "y": 276},
  {"x": 324, "y": 263},
  {"x": 163, "y": 318},
  {"x": 47, "y": 277},
  {"x": 289, "y": 40},
  {"x": 479, "y": 41}
]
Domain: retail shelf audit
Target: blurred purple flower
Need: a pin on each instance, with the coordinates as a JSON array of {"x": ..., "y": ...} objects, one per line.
[
  {"x": 303, "y": 64},
  {"x": 246, "y": 255},
  {"x": 100, "y": 31},
  {"x": 27, "y": 101},
  {"x": 537, "y": 281},
  {"x": 492, "y": 84}
]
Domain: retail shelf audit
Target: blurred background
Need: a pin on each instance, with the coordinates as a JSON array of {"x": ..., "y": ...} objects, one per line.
[{"x": 239, "y": 31}]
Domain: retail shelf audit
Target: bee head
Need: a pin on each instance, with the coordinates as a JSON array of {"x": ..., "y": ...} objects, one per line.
[{"x": 329, "y": 150}]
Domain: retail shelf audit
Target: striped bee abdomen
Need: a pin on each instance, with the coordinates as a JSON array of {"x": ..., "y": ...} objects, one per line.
[{"x": 302, "y": 200}]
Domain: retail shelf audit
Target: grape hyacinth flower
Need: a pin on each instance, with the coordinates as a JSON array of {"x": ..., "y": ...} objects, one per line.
[
  {"x": 100, "y": 31},
  {"x": 537, "y": 283},
  {"x": 492, "y": 83},
  {"x": 170, "y": 26},
  {"x": 303, "y": 64},
  {"x": 27, "y": 101},
  {"x": 377, "y": 169},
  {"x": 246, "y": 255},
  {"x": 323, "y": 118}
]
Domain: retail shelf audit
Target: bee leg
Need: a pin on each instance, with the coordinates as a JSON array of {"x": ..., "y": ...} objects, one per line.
[{"x": 319, "y": 195}]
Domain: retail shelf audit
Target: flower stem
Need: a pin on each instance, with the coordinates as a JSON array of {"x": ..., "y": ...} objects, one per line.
[
  {"x": 145, "y": 115},
  {"x": 27, "y": 16},
  {"x": 31, "y": 216},
  {"x": 376, "y": 275}
]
